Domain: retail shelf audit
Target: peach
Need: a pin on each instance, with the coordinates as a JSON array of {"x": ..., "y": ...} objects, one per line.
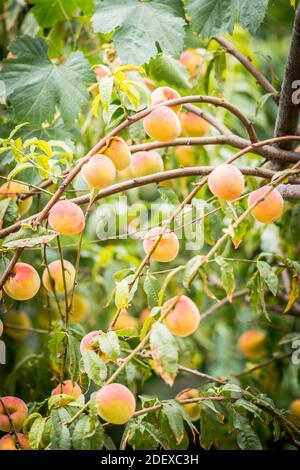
[
  {"x": 17, "y": 410},
  {"x": 88, "y": 343},
  {"x": 144, "y": 315},
  {"x": 12, "y": 190},
  {"x": 162, "y": 124},
  {"x": 268, "y": 210},
  {"x": 8, "y": 442},
  {"x": 19, "y": 319},
  {"x": 125, "y": 322},
  {"x": 78, "y": 314},
  {"x": 23, "y": 283},
  {"x": 251, "y": 344},
  {"x": 146, "y": 163},
  {"x": 124, "y": 175},
  {"x": 193, "y": 125},
  {"x": 99, "y": 172},
  {"x": 184, "y": 318},
  {"x": 186, "y": 155},
  {"x": 191, "y": 60},
  {"x": 56, "y": 274},
  {"x": 66, "y": 218},
  {"x": 102, "y": 71},
  {"x": 165, "y": 93},
  {"x": 295, "y": 408},
  {"x": 67, "y": 388},
  {"x": 167, "y": 248},
  {"x": 226, "y": 182},
  {"x": 116, "y": 403},
  {"x": 193, "y": 409},
  {"x": 119, "y": 153}
]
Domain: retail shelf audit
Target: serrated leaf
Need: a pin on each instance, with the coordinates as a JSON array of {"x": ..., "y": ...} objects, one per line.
[
  {"x": 49, "y": 12},
  {"x": 73, "y": 358},
  {"x": 165, "y": 68},
  {"x": 251, "y": 14},
  {"x": 25, "y": 237},
  {"x": 94, "y": 367},
  {"x": 246, "y": 437},
  {"x": 227, "y": 276},
  {"x": 268, "y": 275},
  {"x": 60, "y": 434},
  {"x": 151, "y": 288},
  {"x": 87, "y": 434},
  {"x": 36, "y": 433},
  {"x": 174, "y": 417},
  {"x": 210, "y": 17},
  {"x": 164, "y": 352}
]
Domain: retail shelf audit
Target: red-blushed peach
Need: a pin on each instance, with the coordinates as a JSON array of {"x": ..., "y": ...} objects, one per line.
[
  {"x": 119, "y": 153},
  {"x": 56, "y": 274},
  {"x": 193, "y": 409},
  {"x": 125, "y": 322},
  {"x": 12, "y": 191},
  {"x": 185, "y": 155},
  {"x": 162, "y": 124},
  {"x": 270, "y": 209},
  {"x": 9, "y": 442},
  {"x": 184, "y": 318},
  {"x": 99, "y": 172},
  {"x": 295, "y": 408},
  {"x": 88, "y": 343},
  {"x": 23, "y": 283},
  {"x": 191, "y": 60},
  {"x": 144, "y": 315},
  {"x": 146, "y": 163},
  {"x": 17, "y": 410},
  {"x": 165, "y": 93},
  {"x": 251, "y": 344},
  {"x": 66, "y": 218},
  {"x": 116, "y": 403},
  {"x": 226, "y": 182},
  {"x": 18, "y": 319},
  {"x": 167, "y": 248},
  {"x": 193, "y": 125},
  {"x": 67, "y": 388}
]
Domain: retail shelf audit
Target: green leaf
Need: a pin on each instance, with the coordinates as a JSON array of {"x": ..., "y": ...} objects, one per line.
[
  {"x": 165, "y": 68},
  {"x": 251, "y": 14},
  {"x": 105, "y": 90},
  {"x": 122, "y": 294},
  {"x": 164, "y": 352},
  {"x": 268, "y": 275},
  {"x": 49, "y": 12},
  {"x": 210, "y": 17},
  {"x": 138, "y": 27},
  {"x": 45, "y": 86},
  {"x": 36, "y": 433},
  {"x": 168, "y": 195},
  {"x": 56, "y": 345},
  {"x": 94, "y": 367},
  {"x": 151, "y": 288},
  {"x": 109, "y": 344},
  {"x": 26, "y": 237},
  {"x": 191, "y": 268},
  {"x": 60, "y": 434},
  {"x": 73, "y": 358},
  {"x": 87, "y": 434},
  {"x": 246, "y": 437},
  {"x": 227, "y": 276},
  {"x": 174, "y": 417}
]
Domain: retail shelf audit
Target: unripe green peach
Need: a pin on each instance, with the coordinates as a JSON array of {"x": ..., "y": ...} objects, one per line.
[
  {"x": 9, "y": 442},
  {"x": 116, "y": 403},
  {"x": 12, "y": 190},
  {"x": 56, "y": 274},
  {"x": 193, "y": 125},
  {"x": 162, "y": 124},
  {"x": 193, "y": 409},
  {"x": 20, "y": 319},
  {"x": 191, "y": 60},
  {"x": 251, "y": 344},
  {"x": 125, "y": 322},
  {"x": 146, "y": 163},
  {"x": 167, "y": 248},
  {"x": 165, "y": 93},
  {"x": 184, "y": 318},
  {"x": 186, "y": 155},
  {"x": 67, "y": 388},
  {"x": 295, "y": 408},
  {"x": 226, "y": 182},
  {"x": 119, "y": 153},
  {"x": 270, "y": 209},
  {"x": 23, "y": 283},
  {"x": 17, "y": 410},
  {"x": 66, "y": 218},
  {"x": 99, "y": 172}
]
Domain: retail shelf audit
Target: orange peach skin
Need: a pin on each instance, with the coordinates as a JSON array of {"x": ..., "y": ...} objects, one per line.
[
  {"x": 226, "y": 182},
  {"x": 167, "y": 248},
  {"x": 191, "y": 60},
  {"x": 193, "y": 409},
  {"x": 124, "y": 322},
  {"x": 119, "y": 153},
  {"x": 295, "y": 408},
  {"x": 8, "y": 442},
  {"x": 116, "y": 403},
  {"x": 270, "y": 209},
  {"x": 162, "y": 124},
  {"x": 184, "y": 318},
  {"x": 12, "y": 190},
  {"x": 67, "y": 388},
  {"x": 165, "y": 93},
  {"x": 56, "y": 273},
  {"x": 251, "y": 344},
  {"x": 66, "y": 218},
  {"x": 193, "y": 125},
  {"x": 186, "y": 155},
  {"x": 146, "y": 163},
  {"x": 24, "y": 282},
  {"x": 17, "y": 410},
  {"x": 99, "y": 172}
]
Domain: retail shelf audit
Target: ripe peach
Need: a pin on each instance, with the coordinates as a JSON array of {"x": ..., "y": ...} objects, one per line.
[
  {"x": 295, "y": 408},
  {"x": 19, "y": 319},
  {"x": 12, "y": 190},
  {"x": 56, "y": 273},
  {"x": 125, "y": 322},
  {"x": 193, "y": 409},
  {"x": 8, "y": 442},
  {"x": 251, "y": 344},
  {"x": 226, "y": 182},
  {"x": 116, "y": 403},
  {"x": 146, "y": 163},
  {"x": 119, "y": 153},
  {"x": 191, "y": 60},
  {"x": 268, "y": 210},
  {"x": 186, "y": 155},
  {"x": 66, "y": 218},
  {"x": 167, "y": 248},
  {"x": 193, "y": 125},
  {"x": 165, "y": 93},
  {"x": 162, "y": 124},
  {"x": 67, "y": 388},
  {"x": 24, "y": 282},
  {"x": 99, "y": 172},
  {"x": 88, "y": 343},
  {"x": 184, "y": 318},
  {"x": 17, "y": 410}
]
